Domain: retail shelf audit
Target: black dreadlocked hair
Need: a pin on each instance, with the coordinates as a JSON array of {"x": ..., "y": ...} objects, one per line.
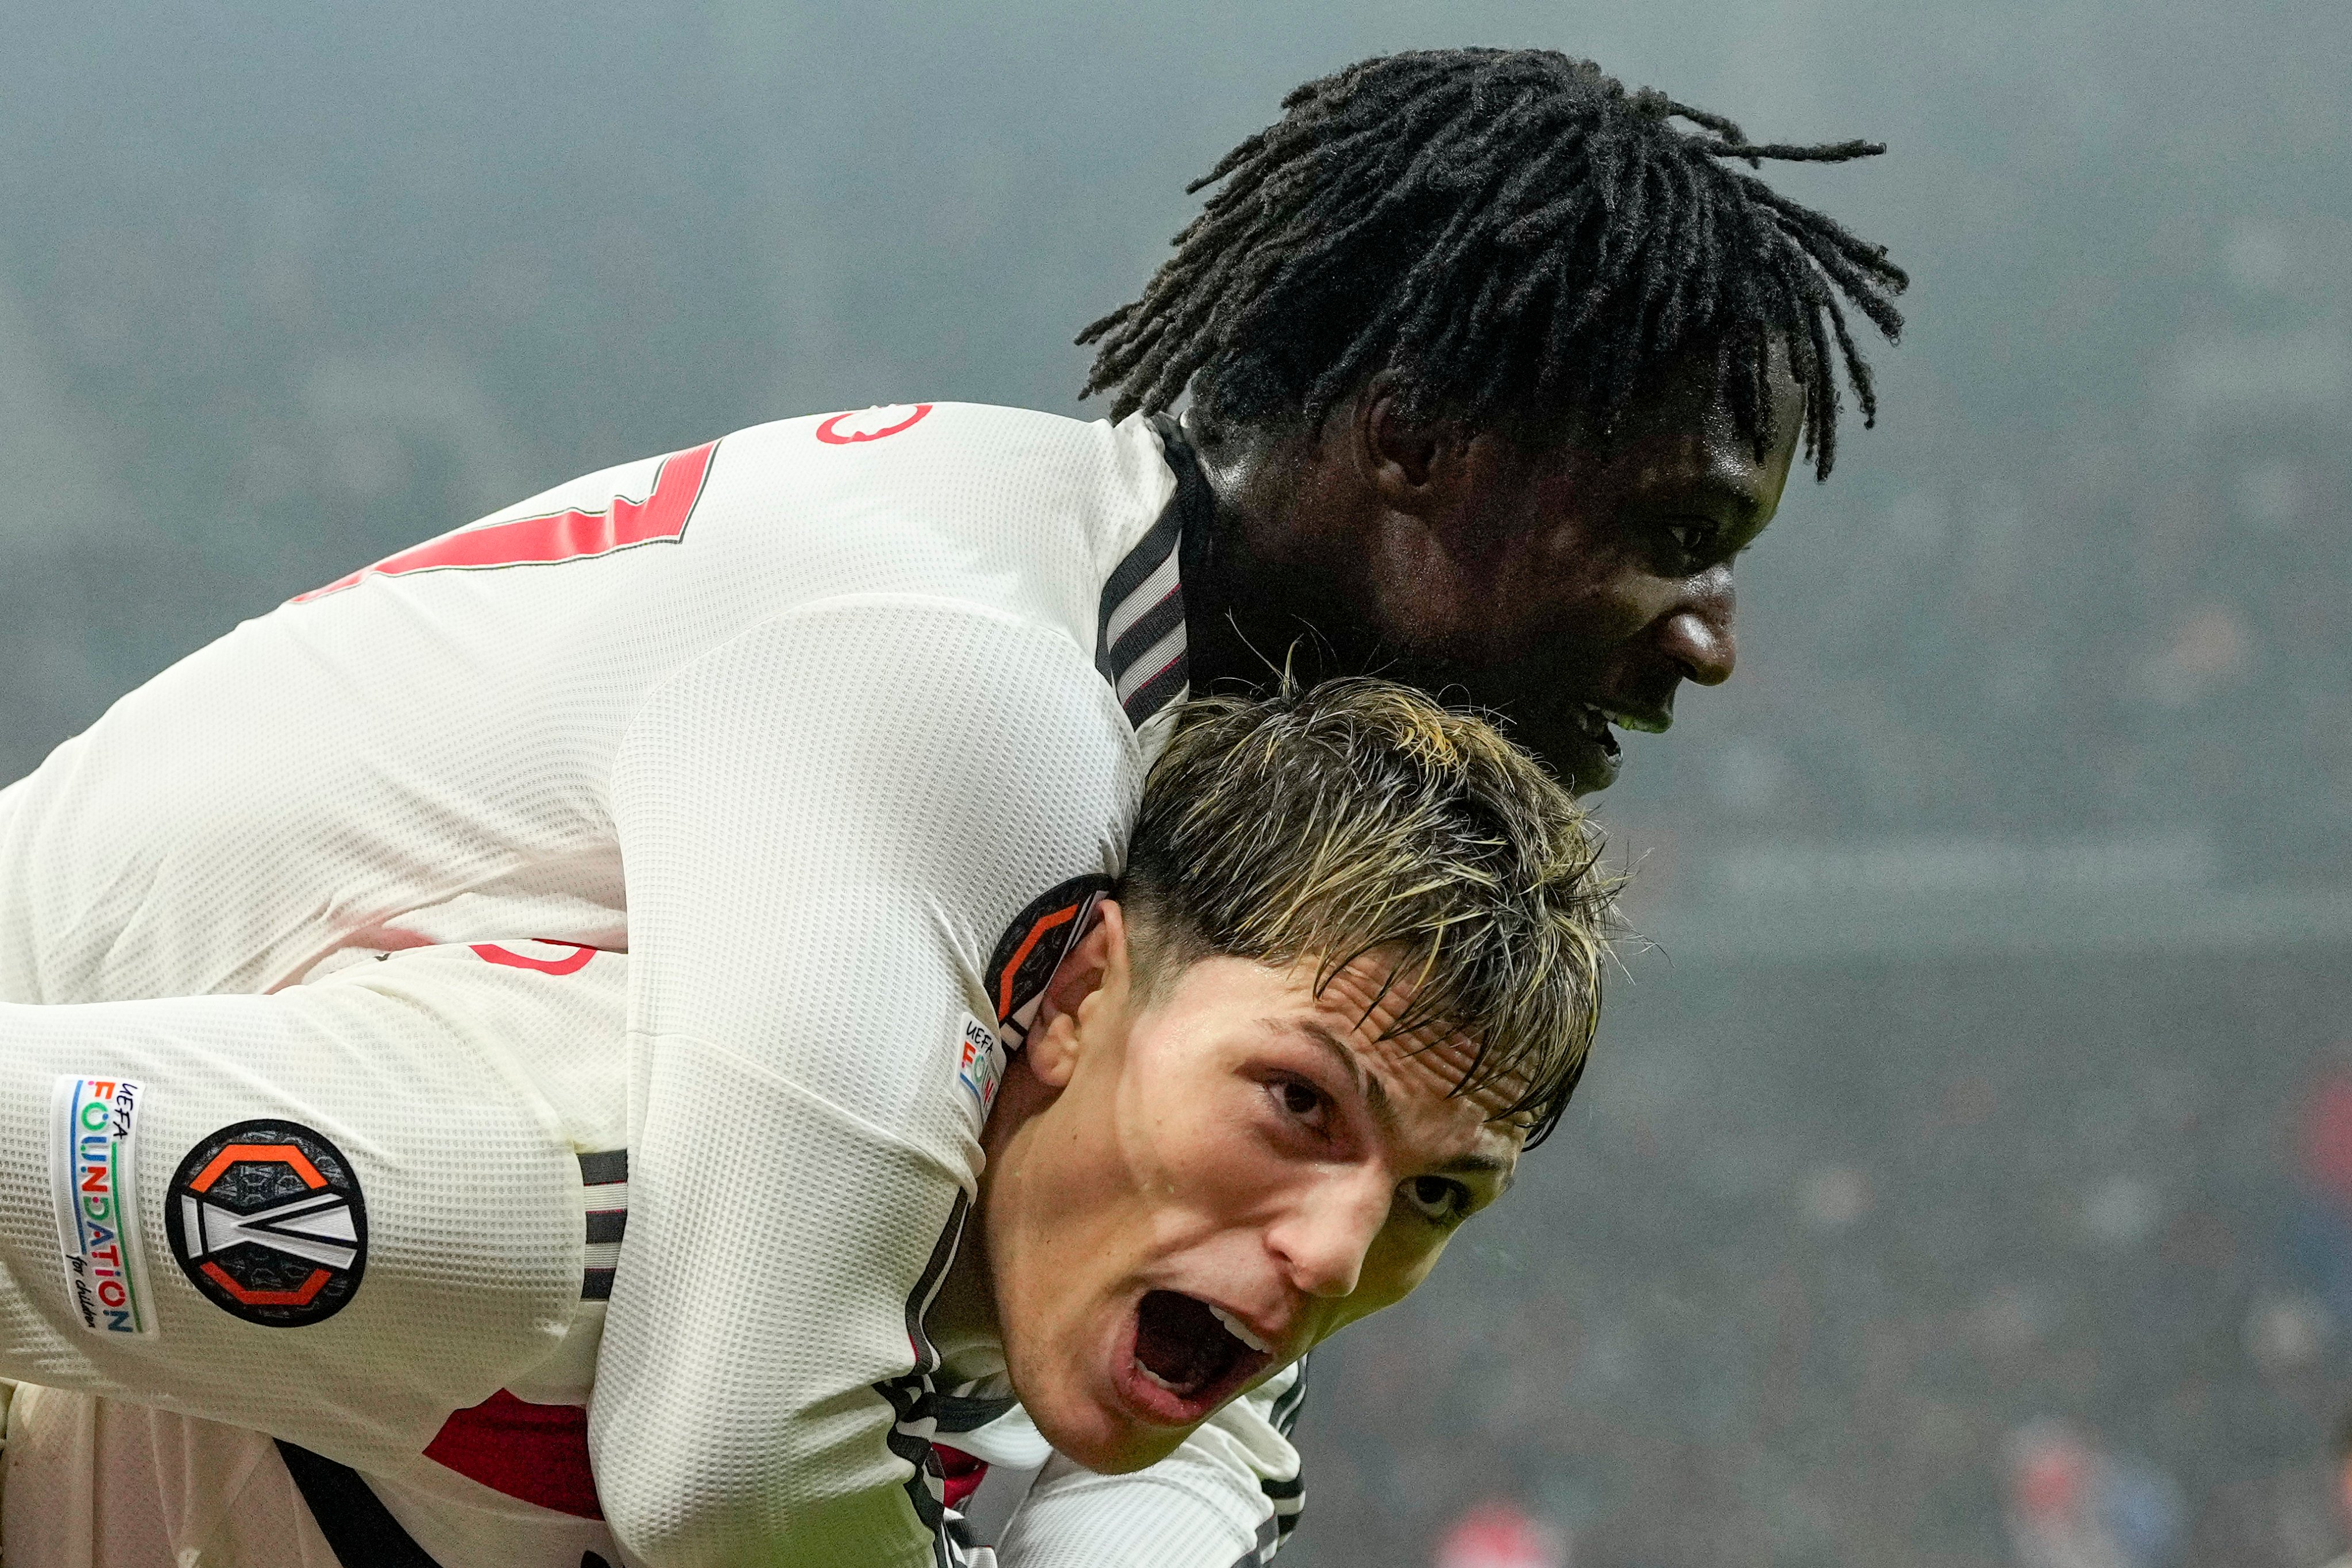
[{"x": 1511, "y": 235}]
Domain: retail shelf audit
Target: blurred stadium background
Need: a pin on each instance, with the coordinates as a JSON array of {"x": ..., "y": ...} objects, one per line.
[{"x": 1966, "y": 1176}]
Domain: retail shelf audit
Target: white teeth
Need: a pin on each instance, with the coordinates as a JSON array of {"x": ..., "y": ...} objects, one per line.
[
  {"x": 1240, "y": 1330},
  {"x": 1157, "y": 1378}
]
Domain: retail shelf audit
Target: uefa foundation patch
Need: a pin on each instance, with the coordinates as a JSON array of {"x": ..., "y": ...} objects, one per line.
[
  {"x": 980, "y": 1069},
  {"x": 93, "y": 1167},
  {"x": 266, "y": 1220}
]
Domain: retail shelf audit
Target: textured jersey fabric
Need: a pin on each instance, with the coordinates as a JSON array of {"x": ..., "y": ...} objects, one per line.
[
  {"x": 831, "y": 698},
  {"x": 462, "y": 1085},
  {"x": 109, "y": 1484},
  {"x": 1182, "y": 1513}
]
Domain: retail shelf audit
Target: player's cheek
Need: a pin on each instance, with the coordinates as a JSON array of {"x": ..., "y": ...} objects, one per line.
[
  {"x": 1231, "y": 1168},
  {"x": 1403, "y": 1258}
]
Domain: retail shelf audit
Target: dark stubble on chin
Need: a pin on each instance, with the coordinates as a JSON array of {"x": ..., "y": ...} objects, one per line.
[
  {"x": 1537, "y": 705},
  {"x": 1540, "y": 708}
]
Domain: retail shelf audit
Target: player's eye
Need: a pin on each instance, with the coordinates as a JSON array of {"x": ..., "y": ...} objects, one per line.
[
  {"x": 1437, "y": 1200},
  {"x": 1693, "y": 537},
  {"x": 1297, "y": 1096}
]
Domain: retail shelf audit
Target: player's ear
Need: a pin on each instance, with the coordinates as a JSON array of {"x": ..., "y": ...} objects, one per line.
[
  {"x": 1095, "y": 970},
  {"x": 1413, "y": 462}
]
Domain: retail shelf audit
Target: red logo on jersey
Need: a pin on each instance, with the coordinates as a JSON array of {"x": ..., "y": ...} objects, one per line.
[
  {"x": 660, "y": 518},
  {"x": 578, "y": 959},
  {"x": 870, "y": 423}
]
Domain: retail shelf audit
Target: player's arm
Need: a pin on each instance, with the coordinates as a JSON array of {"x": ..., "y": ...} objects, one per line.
[
  {"x": 1226, "y": 1498},
  {"x": 353, "y": 1214},
  {"x": 824, "y": 825}
]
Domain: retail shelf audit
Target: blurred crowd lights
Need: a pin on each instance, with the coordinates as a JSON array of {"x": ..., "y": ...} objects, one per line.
[
  {"x": 1501, "y": 1534},
  {"x": 2073, "y": 1504}
]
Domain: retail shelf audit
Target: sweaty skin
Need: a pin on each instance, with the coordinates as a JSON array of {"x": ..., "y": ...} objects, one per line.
[
  {"x": 1235, "y": 1138},
  {"x": 1569, "y": 585}
]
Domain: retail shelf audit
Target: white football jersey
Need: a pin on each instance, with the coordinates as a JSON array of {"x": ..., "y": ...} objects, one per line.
[{"x": 803, "y": 720}]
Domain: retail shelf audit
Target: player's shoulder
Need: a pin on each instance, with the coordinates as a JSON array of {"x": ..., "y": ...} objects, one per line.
[
  {"x": 1056, "y": 520},
  {"x": 972, "y": 449},
  {"x": 942, "y": 424},
  {"x": 1030, "y": 510},
  {"x": 940, "y": 444}
]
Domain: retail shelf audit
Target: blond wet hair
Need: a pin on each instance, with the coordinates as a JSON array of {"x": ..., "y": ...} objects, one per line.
[{"x": 1360, "y": 817}]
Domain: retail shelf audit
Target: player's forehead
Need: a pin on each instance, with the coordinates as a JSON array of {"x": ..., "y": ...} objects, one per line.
[{"x": 1361, "y": 1001}]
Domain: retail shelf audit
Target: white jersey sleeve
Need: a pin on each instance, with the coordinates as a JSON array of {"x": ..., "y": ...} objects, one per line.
[
  {"x": 336, "y": 1215},
  {"x": 825, "y": 824},
  {"x": 1226, "y": 1498}
]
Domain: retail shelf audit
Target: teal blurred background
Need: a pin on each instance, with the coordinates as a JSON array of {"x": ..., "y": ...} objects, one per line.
[{"x": 1972, "y": 1152}]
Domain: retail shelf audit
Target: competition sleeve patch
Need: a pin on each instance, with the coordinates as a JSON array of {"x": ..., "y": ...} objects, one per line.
[
  {"x": 93, "y": 1166},
  {"x": 1033, "y": 948},
  {"x": 266, "y": 1219}
]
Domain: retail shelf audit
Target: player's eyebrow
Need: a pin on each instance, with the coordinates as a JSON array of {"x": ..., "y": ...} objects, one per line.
[
  {"x": 1736, "y": 497},
  {"x": 1483, "y": 1165},
  {"x": 1740, "y": 497},
  {"x": 1376, "y": 1099},
  {"x": 1374, "y": 1092}
]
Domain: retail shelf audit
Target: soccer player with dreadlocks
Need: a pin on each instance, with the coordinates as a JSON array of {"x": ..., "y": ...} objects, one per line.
[
  {"x": 1476, "y": 371},
  {"x": 1494, "y": 369}
]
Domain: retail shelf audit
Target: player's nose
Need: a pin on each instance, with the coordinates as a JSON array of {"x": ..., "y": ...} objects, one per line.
[
  {"x": 1322, "y": 1241},
  {"x": 1698, "y": 633}
]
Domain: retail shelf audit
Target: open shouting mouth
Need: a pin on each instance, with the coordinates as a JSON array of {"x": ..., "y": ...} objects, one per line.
[{"x": 1183, "y": 1357}]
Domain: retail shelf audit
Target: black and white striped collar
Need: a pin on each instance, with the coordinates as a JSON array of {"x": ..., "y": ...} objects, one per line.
[{"x": 1139, "y": 641}]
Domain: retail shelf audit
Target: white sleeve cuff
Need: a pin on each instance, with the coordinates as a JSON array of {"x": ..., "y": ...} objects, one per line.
[{"x": 1075, "y": 1519}]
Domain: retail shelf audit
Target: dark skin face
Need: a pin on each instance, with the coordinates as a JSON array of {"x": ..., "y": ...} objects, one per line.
[{"x": 1568, "y": 583}]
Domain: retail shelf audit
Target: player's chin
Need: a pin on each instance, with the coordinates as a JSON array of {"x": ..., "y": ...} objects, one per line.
[
  {"x": 1108, "y": 1442},
  {"x": 1573, "y": 739},
  {"x": 1088, "y": 1421},
  {"x": 1582, "y": 750}
]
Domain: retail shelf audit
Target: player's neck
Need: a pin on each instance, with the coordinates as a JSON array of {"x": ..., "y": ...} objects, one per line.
[
  {"x": 1217, "y": 652},
  {"x": 962, "y": 1322},
  {"x": 1258, "y": 597}
]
